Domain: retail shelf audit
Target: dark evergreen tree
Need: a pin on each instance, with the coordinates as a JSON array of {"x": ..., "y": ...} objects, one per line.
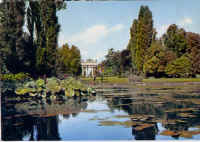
[{"x": 11, "y": 36}]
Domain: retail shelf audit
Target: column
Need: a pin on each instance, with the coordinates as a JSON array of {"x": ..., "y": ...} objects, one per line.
[
  {"x": 92, "y": 71},
  {"x": 87, "y": 70},
  {"x": 82, "y": 70}
]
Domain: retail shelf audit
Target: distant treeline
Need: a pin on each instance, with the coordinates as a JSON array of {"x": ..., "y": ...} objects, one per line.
[
  {"x": 34, "y": 51},
  {"x": 175, "y": 54}
]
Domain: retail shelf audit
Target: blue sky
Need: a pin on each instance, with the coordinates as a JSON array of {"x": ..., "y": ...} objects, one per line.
[{"x": 96, "y": 26}]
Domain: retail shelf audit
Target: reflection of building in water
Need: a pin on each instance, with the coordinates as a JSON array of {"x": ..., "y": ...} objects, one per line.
[{"x": 89, "y": 67}]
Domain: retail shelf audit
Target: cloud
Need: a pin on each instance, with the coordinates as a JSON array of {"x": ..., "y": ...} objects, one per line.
[
  {"x": 91, "y": 40},
  {"x": 162, "y": 29},
  {"x": 93, "y": 34},
  {"x": 117, "y": 28},
  {"x": 90, "y": 35},
  {"x": 185, "y": 21}
]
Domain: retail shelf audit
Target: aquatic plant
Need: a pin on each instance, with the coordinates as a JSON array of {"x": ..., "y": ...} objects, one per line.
[
  {"x": 40, "y": 83},
  {"x": 68, "y": 87}
]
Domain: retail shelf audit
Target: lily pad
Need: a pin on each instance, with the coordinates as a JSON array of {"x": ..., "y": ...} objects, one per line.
[
  {"x": 189, "y": 134},
  {"x": 169, "y": 133},
  {"x": 109, "y": 123},
  {"x": 122, "y": 116},
  {"x": 186, "y": 115},
  {"x": 89, "y": 111},
  {"x": 143, "y": 126}
]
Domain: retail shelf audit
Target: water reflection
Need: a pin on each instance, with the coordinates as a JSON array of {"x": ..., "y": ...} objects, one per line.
[
  {"x": 175, "y": 116},
  {"x": 37, "y": 120},
  {"x": 148, "y": 113},
  {"x": 148, "y": 133}
]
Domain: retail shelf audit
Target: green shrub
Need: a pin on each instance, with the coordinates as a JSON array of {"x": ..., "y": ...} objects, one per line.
[
  {"x": 15, "y": 77},
  {"x": 151, "y": 66},
  {"x": 181, "y": 67}
]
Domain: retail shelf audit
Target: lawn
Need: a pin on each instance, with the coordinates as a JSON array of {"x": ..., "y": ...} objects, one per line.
[
  {"x": 123, "y": 80},
  {"x": 172, "y": 80},
  {"x": 119, "y": 80}
]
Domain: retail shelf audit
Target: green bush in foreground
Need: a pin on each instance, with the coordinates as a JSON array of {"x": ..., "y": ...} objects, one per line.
[{"x": 181, "y": 67}]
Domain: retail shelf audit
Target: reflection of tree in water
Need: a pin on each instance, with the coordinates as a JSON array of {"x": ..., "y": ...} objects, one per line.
[
  {"x": 170, "y": 120},
  {"x": 38, "y": 121},
  {"x": 147, "y": 133},
  {"x": 47, "y": 128}
]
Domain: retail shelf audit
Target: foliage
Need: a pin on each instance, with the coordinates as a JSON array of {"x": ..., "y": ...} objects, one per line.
[
  {"x": 15, "y": 77},
  {"x": 112, "y": 62},
  {"x": 141, "y": 36},
  {"x": 40, "y": 83},
  {"x": 156, "y": 60},
  {"x": 175, "y": 40},
  {"x": 181, "y": 67},
  {"x": 11, "y": 34},
  {"x": 69, "y": 60},
  {"x": 33, "y": 50},
  {"x": 132, "y": 41},
  {"x": 193, "y": 40},
  {"x": 46, "y": 52},
  {"x": 54, "y": 86},
  {"x": 151, "y": 66},
  {"x": 117, "y": 62},
  {"x": 125, "y": 60}
]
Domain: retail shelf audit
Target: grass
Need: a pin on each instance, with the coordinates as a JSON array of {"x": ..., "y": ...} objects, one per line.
[
  {"x": 123, "y": 80},
  {"x": 115, "y": 79},
  {"x": 172, "y": 80}
]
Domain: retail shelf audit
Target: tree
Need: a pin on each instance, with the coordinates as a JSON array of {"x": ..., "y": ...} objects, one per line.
[
  {"x": 175, "y": 40},
  {"x": 156, "y": 59},
  {"x": 47, "y": 38},
  {"x": 11, "y": 36},
  {"x": 75, "y": 60},
  {"x": 125, "y": 60},
  {"x": 193, "y": 40},
  {"x": 69, "y": 60},
  {"x": 132, "y": 42},
  {"x": 112, "y": 62},
  {"x": 141, "y": 36}
]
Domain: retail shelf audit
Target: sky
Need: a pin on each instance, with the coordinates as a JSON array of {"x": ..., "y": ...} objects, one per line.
[{"x": 94, "y": 27}]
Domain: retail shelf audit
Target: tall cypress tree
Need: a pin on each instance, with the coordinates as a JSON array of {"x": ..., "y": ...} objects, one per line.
[
  {"x": 46, "y": 52},
  {"x": 132, "y": 42},
  {"x": 144, "y": 36}
]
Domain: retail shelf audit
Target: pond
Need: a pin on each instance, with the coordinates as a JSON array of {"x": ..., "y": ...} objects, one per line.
[{"x": 125, "y": 114}]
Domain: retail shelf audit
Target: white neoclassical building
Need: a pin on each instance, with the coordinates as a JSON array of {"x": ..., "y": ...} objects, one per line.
[{"x": 88, "y": 67}]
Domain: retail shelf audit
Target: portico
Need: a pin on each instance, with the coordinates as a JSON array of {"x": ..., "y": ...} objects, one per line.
[{"x": 89, "y": 67}]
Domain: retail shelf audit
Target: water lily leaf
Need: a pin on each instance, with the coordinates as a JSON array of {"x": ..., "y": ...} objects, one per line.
[
  {"x": 169, "y": 133},
  {"x": 144, "y": 126},
  {"x": 90, "y": 111},
  {"x": 109, "y": 123}
]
